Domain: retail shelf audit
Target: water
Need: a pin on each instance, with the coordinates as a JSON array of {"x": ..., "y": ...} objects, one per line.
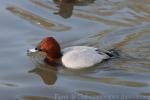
[{"x": 106, "y": 24}]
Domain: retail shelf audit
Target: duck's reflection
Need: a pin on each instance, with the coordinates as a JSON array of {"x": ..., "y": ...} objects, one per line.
[
  {"x": 66, "y": 6},
  {"x": 47, "y": 73}
]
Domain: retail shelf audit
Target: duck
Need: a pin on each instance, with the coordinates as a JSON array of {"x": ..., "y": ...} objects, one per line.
[{"x": 73, "y": 57}]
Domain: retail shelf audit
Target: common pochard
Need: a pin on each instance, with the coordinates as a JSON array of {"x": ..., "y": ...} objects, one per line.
[{"x": 74, "y": 57}]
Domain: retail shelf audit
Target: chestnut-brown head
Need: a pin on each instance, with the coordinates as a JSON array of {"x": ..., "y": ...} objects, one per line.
[{"x": 51, "y": 47}]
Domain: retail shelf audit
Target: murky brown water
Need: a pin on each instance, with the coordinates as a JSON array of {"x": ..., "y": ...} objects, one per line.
[{"x": 106, "y": 24}]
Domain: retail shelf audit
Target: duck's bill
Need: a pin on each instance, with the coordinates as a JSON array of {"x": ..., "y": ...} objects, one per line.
[{"x": 32, "y": 50}]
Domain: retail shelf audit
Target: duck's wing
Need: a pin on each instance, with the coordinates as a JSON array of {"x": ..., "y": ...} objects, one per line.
[
  {"x": 82, "y": 57},
  {"x": 65, "y": 50}
]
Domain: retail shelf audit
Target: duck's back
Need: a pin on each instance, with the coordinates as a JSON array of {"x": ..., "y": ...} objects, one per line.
[{"x": 78, "y": 57}]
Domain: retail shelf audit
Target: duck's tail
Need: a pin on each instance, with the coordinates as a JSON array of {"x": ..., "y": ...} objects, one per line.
[{"x": 113, "y": 53}]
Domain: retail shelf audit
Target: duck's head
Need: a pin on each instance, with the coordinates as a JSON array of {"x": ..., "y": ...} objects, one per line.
[{"x": 49, "y": 46}]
